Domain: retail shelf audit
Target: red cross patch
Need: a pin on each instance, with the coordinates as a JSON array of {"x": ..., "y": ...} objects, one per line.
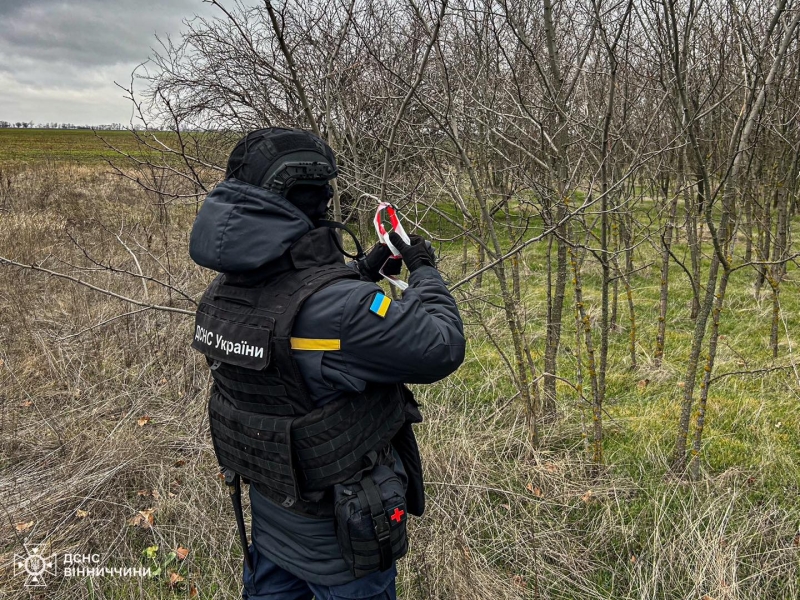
[{"x": 397, "y": 515}]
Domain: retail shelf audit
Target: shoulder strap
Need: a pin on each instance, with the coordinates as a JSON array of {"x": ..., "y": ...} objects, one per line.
[{"x": 286, "y": 296}]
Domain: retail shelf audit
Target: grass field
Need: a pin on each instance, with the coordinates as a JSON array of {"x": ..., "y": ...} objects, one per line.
[
  {"x": 76, "y": 146},
  {"x": 102, "y": 415}
]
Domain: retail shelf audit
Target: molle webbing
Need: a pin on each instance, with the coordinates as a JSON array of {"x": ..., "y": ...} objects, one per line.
[
  {"x": 258, "y": 447},
  {"x": 330, "y": 442},
  {"x": 264, "y": 424},
  {"x": 323, "y": 447}
]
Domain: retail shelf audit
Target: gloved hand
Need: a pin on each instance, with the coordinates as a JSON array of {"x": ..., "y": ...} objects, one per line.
[
  {"x": 371, "y": 264},
  {"x": 417, "y": 254}
]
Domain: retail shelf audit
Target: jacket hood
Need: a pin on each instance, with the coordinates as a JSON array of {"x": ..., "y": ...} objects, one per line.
[{"x": 241, "y": 227}]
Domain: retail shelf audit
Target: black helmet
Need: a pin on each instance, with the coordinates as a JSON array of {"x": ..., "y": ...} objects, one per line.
[{"x": 279, "y": 159}]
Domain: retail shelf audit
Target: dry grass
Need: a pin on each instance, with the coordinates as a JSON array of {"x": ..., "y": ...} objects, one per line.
[{"x": 503, "y": 521}]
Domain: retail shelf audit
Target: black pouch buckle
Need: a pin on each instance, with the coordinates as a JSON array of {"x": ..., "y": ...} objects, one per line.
[{"x": 379, "y": 520}]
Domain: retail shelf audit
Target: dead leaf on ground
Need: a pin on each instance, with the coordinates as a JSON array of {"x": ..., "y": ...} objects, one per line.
[
  {"x": 536, "y": 491},
  {"x": 588, "y": 496},
  {"x": 149, "y": 494},
  {"x": 26, "y": 404},
  {"x": 81, "y": 514},
  {"x": 142, "y": 421},
  {"x": 707, "y": 597},
  {"x": 642, "y": 385},
  {"x": 181, "y": 553},
  {"x": 174, "y": 579},
  {"x": 519, "y": 581},
  {"x": 796, "y": 541},
  {"x": 24, "y": 526},
  {"x": 193, "y": 591},
  {"x": 180, "y": 462},
  {"x": 163, "y": 380},
  {"x": 551, "y": 468},
  {"x": 681, "y": 384},
  {"x": 633, "y": 559},
  {"x": 144, "y": 519}
]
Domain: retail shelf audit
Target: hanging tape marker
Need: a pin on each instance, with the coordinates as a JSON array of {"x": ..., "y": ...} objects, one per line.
[
  {"x": 397, "y": 227},
  {"x": 383, "y": 237}
]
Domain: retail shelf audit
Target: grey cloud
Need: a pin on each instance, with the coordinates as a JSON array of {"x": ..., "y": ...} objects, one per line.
[
  {"x": 57, "y": 57},
  {"x": 90, "y": 32}
]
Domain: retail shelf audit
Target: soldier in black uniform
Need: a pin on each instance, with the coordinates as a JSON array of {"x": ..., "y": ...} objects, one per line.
[{"x": 309, "y": 359}]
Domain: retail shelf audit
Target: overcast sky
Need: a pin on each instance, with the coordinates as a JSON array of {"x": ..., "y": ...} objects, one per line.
[{"x": 59, "y": 59}]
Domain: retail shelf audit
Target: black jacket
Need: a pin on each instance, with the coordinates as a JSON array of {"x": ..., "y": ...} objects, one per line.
[{"x": 417, "y": 339}]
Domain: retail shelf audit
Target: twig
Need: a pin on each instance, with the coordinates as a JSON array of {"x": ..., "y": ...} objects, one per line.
[
  {"x": 180, "y": 311},
  {"x": 106, "y": 322}
]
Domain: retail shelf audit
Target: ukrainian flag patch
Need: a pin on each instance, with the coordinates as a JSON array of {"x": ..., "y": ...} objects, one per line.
[{"x": 380, "y": 305}]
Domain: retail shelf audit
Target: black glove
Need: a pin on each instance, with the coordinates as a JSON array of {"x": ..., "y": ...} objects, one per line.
[
  {"x": 417, "y": 254},
  {"x": 377, "y": 257}
]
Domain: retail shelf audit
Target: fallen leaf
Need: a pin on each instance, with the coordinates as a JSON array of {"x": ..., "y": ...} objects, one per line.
[
  {"x": 172, "y": 495},
  {"x": 518, "y": 581},
  {"x": 181, "y": 553},
  {"x": 180, "y": 462},
  {"x": 149, "y": 494},
  {"x": 24, "y": 526},
  {"x": 642, "y": 385},
  {"x": 506, "y": 506},
  {"x": 174, "y": 579},
  {"x": 81, "y": 514},
  {"x": 633, "y": 559},
  {"x": 26, "y": 404},
  {"x": 707, "y": 597},
  {"x": 587, "y": 497},
  {"x": 193, "y": 591},
  {"x": 142, "y": 421},
  {"x": 551, "y": 468},
  {"x": 796, "y": 541},
  {"x": 536, "y": 491},
  {"x": 143, "y": 519},
  {"x": 163, "y": 380},
  {"x": 681, "y": 384},
  {"x": 467, "y": 553}
]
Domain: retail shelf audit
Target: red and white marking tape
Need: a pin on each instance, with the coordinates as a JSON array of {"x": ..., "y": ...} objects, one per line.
[{"x": 383, "y": 237}]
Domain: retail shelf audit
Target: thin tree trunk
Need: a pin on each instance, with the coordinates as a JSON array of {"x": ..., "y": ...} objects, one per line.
[{"x": 694, "y": 467}]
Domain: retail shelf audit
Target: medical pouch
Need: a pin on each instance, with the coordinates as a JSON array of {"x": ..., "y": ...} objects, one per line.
[{"x": 371, "y": 519}]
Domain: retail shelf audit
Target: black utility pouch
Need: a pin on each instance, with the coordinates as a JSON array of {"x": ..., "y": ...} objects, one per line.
[{"x": 371, "y": 521}]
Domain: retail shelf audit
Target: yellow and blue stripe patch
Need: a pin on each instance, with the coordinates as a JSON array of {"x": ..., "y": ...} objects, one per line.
[{"x": 380, "y": 305}]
